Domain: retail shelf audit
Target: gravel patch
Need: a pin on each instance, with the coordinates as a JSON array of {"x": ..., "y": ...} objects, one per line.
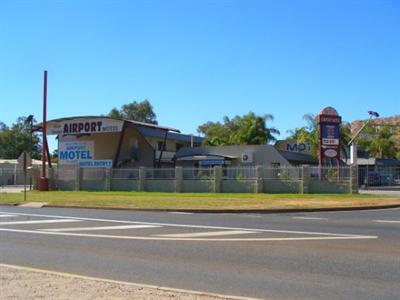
[{"x": 17, "y": 283}]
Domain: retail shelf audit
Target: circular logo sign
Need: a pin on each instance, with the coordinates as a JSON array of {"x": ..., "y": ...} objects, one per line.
[{"x": 330, "y": 153}]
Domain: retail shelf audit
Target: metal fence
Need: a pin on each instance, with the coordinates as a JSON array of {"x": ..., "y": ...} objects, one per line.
[
  {"x": 160, "y": 174},
  {"x": 198, "y": 174},
  {"x": 283, "y": 174},
  {"x": 381, "y": 176},
  {"x": 332, "y": 174},
  {"x": 386, "y": 176},
  {"x": 14, "y": 176},
  {"x": 240, "y": 173},
  {"x": 125, "y": 174},
  {"x": 204, "y": 179}
]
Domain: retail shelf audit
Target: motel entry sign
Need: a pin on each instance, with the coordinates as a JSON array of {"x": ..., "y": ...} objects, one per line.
[
  {"x": 72, "y": 153},
  {"x": 329, "y": 136}
]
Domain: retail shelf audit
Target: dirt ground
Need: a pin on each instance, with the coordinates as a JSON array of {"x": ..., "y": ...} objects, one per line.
[{"x": 17, "y": 283}]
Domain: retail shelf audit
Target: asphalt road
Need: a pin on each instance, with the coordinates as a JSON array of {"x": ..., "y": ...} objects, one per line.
[{"x": 337, "y": 255}]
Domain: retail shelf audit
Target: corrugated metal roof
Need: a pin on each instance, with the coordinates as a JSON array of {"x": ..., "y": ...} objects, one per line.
[
  {"x": 203, "y": 157},
  {"x": 39, "y": 126},
  {"x": 15, "y": 161},
  {"x": 147, "y": 132},
  {"x": 299, "y": 157}
]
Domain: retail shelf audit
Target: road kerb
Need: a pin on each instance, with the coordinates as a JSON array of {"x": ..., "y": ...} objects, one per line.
[{"x": 139, "y": 285}]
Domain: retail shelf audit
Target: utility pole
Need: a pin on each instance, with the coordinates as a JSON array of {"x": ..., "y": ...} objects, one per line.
[{"x": 44, "y": 182}]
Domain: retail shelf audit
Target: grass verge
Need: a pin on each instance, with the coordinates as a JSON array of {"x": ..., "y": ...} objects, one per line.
[{"x": 151, "y": 200}]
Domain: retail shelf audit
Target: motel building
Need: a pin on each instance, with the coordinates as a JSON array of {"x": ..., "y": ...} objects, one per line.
[
  {"x": 96, "y": 141},
  {"x": 93, "y": 141},
  {"x": 102, "y": 153}
]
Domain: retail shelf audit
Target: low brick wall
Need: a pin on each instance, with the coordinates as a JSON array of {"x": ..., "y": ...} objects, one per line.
[
  {"x": 124, "y": 185},
  {"x": 197, "y": 186},
  {"x": 282, "y": 186},
  {"x": 163, "y": 185},
  {"x": 238, "y": 186},
  {"x": 328, "y": 187}
]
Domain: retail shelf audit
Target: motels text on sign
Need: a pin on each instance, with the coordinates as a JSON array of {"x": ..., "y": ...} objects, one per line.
[{"x": 82, "y": 127}]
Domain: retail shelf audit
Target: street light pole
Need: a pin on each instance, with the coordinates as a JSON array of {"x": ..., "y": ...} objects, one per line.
[{"x": 353, "y": 144}]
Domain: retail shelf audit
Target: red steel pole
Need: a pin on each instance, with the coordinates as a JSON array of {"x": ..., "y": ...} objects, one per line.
[{"x": 43, "y": 184}]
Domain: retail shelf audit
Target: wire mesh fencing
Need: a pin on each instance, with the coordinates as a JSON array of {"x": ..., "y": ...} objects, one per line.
[
  {"x": 66, "y": 177},
  {"x": 381, "y": 176},
  {"x": 332, "y": 174},
  {"x": 14, "y": 176},
  {"x": 125, "y": 174},
  {"x": 240, "y": 173},
  {"x": 93, "y": 174},
  {"x": 226, "y": 179},
  {"x": 160, "y": 174},
  {"x": 283, "y": 174},
  {"x": 198, "y": 174}
]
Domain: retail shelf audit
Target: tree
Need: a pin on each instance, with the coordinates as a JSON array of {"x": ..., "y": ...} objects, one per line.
[
  {"x": 307, "y": 134},
  {"x": 249, "y": 129},
  {"x": 135, "y": 111},
  {"x": 17, "y": 138},
  {"x": 380, "y": 144}
]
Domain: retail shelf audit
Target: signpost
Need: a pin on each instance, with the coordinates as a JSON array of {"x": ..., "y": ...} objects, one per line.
[
  {"x": 25, "y": 160},
  {"x": 329, "y": 137}
]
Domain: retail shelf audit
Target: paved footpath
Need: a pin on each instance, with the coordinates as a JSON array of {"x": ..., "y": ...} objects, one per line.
[{"x": 337, "y": 255}]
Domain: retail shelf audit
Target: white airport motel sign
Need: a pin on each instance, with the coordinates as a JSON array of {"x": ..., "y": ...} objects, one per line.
[{"x": 25, "y": 160}]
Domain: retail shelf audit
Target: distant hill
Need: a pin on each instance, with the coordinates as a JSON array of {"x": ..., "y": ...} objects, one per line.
[
  {"x": 394, "y": 120},
  {"x": 390, "y": 122}
]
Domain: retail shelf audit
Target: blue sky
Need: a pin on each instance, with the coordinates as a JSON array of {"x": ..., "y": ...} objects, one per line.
[{"x": 198, "y": 60}]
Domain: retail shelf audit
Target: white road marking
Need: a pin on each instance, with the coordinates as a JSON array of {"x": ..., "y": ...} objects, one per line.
[
  {"x": 122, "y": 237},
  {"x": 387, "y": 221},
  {"x": 204, "y": 234},
  {"x": 38, "y": 222},
  {"x": 181, "y": 213},
  {"x": 195, "y": 226},
  {"x": 7, "y": 216},
  {"x": 198, "y": 293},
  {"x": 100, "y": 228},
  {"x": 310, "y": 218}
]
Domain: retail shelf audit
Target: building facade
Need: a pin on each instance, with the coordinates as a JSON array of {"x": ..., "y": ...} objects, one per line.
[{"x": 106, "y": 142}]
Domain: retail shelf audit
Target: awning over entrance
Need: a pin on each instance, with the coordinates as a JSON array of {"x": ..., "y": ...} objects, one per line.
[{"x": 208, "y": 160}]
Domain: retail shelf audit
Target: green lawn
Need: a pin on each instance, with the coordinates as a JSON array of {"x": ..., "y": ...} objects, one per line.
[{"x": 151, "y": 200}]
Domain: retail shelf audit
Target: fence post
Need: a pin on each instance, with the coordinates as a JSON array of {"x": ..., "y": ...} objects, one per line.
[
  {"x": 78, "y": 177},
  {"x": 259, "y": 179},
  {"x": 305, "y": 183},
  {"x": 15, "y": 175},
  {"x": 178, "y": 179},
  {"x": 108, "y": 179},
  {"x": 217, "y": 179},
  {"x": 34, "y": 173},
  {"x": 52, "y": 179},
  {"x": 142, "y": 179},
  {"x": 353, "y": 184}
]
